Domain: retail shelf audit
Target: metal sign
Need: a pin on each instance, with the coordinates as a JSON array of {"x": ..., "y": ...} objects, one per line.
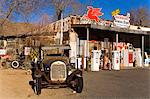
[
  {"x": 33, "y": 54},
  {"x": 2, "y": 52},
  {"x": 115, "y": 12},
  {"x": 93, "y": 13},
  {"x": 27, "y": 50},
  {"x": 122, "y": 21}
]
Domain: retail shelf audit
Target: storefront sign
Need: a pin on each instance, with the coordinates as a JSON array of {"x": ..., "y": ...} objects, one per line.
[{"x": 122, "y": 21}]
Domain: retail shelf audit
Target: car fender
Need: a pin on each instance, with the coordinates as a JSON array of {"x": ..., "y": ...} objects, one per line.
[{"x": 73, "y": 75}]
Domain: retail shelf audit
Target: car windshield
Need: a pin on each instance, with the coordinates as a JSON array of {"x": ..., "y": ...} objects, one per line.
[{"x": 56, "y": 51}]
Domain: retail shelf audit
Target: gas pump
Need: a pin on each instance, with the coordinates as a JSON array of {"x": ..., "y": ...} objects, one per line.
[
  {"x": 95, "y": 60},
  {"x": 130, "y": 55},
  {"x": 115, "y": 60},
  {"x": 138, "y": 57}
]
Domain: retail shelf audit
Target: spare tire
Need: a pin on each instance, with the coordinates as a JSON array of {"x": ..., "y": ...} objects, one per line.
[{"x": 15, "y": 64}]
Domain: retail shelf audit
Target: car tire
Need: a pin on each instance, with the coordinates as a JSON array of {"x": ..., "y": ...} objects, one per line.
[
  {"x": 15, "y": 64},
  {"x": 37, "y": 85},
  {"x": 79, "y": 86}
]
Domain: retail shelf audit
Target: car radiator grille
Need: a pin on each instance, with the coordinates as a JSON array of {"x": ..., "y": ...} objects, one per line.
[{"x": 58, "y": 71}]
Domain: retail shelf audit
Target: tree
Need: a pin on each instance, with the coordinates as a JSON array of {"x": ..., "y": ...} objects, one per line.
[
  {"x": 75, "y": 6},
  {"x": 140, "y": 17},
  {"x": 24, "y": 8},
  {"x": 28, "y": 7},
  {"x": 6, "y": 9},
  {"x": 44, "y": 20},
  {"x": 59, "y": 6}
]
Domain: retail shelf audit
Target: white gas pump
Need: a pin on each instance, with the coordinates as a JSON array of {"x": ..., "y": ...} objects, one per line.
[
  {"x": 115, "y": 60},
  {"x": 147, "y": 60},
  {"x": 138, "y": 57},
  {"x": 95, "y": 61}
]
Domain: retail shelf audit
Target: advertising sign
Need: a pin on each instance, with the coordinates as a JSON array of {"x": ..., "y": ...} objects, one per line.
[
  {"x": 122, "y": 21},
  {"x": 2, "y": 52},
  {"x": 27, "y": 51},
  {"x": 105, "y": 23},
  {"x": 115, "y": 12},
  {"x": 93, "y": 13},
  {"x": 130, "y": 57}
]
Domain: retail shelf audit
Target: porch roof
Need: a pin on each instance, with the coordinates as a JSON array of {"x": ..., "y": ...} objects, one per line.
[{"x": 115, "y": 29}]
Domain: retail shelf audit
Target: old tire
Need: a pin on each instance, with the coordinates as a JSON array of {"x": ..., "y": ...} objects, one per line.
[
  {"x": 79, "y": 86},
  {"x": 37, "y": 85},
  {"x": 4, "y": 64},
  {"x": 15, "y": 64}
]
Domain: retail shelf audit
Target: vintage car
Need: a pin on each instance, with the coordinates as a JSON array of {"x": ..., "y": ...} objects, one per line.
[{"x": 52, "y": 69}]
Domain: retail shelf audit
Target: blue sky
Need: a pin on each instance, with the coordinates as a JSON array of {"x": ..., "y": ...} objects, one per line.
[
  {"x": 124, "y": 5},
  {"x": 107, "y": 7}
]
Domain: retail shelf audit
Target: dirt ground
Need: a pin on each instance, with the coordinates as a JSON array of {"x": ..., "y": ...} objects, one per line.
[
  {"x": 14, "y": 84},
  {"x": 124, "y": 84}
]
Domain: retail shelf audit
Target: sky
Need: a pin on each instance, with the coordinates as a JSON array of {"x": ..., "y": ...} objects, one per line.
[
  {"x": 124, "y": 5},
  {"x": 107, "y": 7}
]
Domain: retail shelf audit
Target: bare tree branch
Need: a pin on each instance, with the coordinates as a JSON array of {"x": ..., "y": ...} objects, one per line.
[{"x": 140, "y": 17}]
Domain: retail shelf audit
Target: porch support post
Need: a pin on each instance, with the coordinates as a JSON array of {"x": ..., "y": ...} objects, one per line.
[
  {"x": 116, "y": 41},
  {"x": 142, "y": 50},
  {"x": 61, "y": 30},
  {"x": 87, "y": 42},
  {"x": 87, "y": 50}
]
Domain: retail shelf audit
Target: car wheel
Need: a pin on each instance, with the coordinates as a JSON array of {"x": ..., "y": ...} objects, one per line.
[
  {"x": 15, "y": 64},
  {"x": 37, "y": 85},
  {"x": 79, "y": 84}
]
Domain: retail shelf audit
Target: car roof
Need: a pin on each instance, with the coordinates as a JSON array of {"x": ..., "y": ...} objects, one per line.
[{"x": 63, "y": 47}]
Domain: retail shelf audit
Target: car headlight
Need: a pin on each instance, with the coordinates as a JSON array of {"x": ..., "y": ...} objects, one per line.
[{"x": 69, "y": 72}]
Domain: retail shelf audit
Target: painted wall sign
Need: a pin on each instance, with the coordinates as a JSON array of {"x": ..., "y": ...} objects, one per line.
[
  {"x": 105, "y": 23},
  {"x": 122, "y": 21},
  {"x": 93, "y": 13}
]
